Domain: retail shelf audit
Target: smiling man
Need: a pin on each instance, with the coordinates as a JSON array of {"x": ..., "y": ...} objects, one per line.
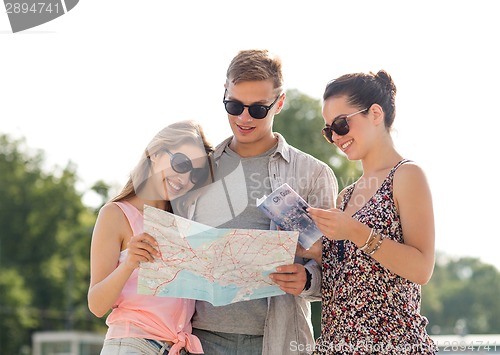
[{"x": 251, "y": 163}]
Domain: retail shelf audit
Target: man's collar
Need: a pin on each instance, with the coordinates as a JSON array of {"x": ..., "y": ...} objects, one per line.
[{"x": 283, "y": 149}]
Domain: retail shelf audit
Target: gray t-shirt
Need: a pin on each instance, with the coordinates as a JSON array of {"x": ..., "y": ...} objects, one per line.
[{"x": 230, "y": 203}]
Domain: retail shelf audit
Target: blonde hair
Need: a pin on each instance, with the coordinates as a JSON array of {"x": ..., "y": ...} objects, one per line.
[{"x": 170, "y": 137}]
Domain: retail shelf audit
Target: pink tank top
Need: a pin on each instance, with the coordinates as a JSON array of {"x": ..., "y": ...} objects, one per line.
[{"x": 151, "y": 317}]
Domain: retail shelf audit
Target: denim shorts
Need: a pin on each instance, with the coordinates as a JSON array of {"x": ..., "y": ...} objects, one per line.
[
  {"x": 136, "y": 346},
  {"x": 217, "y": 343}
]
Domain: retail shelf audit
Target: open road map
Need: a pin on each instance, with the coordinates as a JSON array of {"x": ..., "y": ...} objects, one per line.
[{"x": 221, "y": 266}]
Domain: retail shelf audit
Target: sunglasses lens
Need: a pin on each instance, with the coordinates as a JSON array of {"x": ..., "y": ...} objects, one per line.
[
  {"x": 340, "y": 126},
  {"x": 327, "y": 133},
  {"x": 181, "y": 163},
  {"x": 257, "y": 111},
  {"x": 199, "y": 175},
  {"x": 234, "y": 108}
]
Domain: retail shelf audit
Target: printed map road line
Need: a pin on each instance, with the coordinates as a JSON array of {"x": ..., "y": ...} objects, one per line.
[{"x": 220, "y": 266}]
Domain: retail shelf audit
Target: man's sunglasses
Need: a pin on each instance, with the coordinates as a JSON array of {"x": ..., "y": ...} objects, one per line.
[
  {"x": 236, "y": 108},
  {"x": 181, "y": 164},
  {"x": 339, "y": 126}
]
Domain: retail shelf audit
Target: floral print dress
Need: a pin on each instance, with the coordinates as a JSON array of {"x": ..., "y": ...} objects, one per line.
[{"x": 367, "y": 309}]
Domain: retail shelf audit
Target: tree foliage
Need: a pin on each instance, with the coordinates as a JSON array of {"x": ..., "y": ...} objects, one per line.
[
  {"x": 462, "y": 297},
  {"x": 44, "y": 247}
]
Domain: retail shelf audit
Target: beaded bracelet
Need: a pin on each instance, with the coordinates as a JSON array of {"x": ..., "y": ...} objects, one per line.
[{"x": 369, "y": 240}]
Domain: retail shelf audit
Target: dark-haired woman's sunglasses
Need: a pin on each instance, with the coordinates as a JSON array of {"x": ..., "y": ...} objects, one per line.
[
  {"x": 181, "y": 164},
  {"x": 236, "y": 108},
  {"x": 339, "y": 125}
]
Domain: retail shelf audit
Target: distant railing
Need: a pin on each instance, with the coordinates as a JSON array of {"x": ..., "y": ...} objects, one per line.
[{"x": 67, "y": 343}]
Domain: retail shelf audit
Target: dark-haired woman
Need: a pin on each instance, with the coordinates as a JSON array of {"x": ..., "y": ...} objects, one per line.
[{"x": 379, "y": 245}]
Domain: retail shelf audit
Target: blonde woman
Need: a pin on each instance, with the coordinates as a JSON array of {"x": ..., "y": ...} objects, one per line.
[{"x": 175, "y": 162}]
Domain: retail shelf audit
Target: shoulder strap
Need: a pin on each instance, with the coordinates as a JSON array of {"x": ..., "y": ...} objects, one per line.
[
  {"x": 393, "y": 170},
  {"x": 404, "y": 161},
  {"x": 347, "y": 196},
  {"x": 401, "y": 163}
]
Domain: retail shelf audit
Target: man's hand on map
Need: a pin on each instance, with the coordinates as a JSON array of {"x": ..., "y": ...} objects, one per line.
[
  {"x": 314, "y": 252},
  {"x": 141, "y": 247},
  {"x": 290, "y": 278}
]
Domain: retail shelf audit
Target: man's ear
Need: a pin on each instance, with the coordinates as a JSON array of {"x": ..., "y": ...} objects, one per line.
[{"x": 280, "y": 103}]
